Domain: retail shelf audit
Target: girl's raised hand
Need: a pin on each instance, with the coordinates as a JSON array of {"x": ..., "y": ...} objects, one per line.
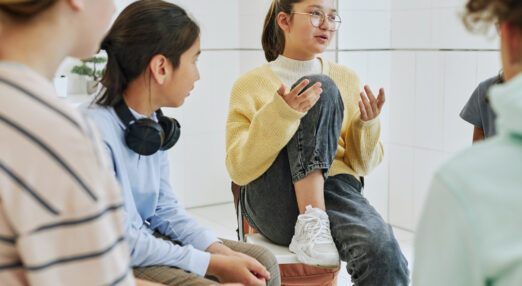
[
  {"x": 304, "y": 101},
  {"x": 370, "y": 106}
]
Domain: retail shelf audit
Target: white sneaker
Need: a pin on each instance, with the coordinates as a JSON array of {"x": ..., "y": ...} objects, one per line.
[{"x": 312, "y": 241}]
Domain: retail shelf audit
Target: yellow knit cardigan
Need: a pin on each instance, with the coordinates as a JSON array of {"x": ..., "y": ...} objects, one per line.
[{"x": 260, "y": 124}]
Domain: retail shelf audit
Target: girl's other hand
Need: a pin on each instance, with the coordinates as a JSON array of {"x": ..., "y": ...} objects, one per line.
[{"x": 370, "y": 106}]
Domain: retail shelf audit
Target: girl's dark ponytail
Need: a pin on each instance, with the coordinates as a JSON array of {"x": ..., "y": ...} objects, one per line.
[
  {"x": 273, "y": 39},
  {"x": 114, "y": 79}
]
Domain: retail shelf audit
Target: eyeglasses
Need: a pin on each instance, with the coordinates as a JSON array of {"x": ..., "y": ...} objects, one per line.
[{"x": 317, "y": 18}]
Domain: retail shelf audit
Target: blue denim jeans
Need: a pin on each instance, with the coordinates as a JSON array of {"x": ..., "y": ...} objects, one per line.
[{"x": 364, "y": 240}]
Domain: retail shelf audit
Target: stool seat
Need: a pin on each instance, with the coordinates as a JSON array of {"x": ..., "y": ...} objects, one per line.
[{"x": 282, "y": 253}]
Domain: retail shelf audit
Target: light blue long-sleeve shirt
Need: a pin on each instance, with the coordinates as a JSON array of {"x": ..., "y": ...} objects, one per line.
[
  {"x": 470, "y": 232},
  {"x": 150, "y": 203}
]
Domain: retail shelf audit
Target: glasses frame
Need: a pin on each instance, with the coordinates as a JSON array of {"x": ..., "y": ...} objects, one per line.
[{"x": 336, "y": 24}]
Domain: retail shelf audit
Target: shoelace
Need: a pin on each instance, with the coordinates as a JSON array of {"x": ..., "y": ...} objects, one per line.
[{"x": 316, "y": 229}]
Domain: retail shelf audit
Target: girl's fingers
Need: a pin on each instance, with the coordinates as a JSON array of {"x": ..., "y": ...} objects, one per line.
[
  {"x": 363, "y": 111},
  {"x": 367, "y": 106},
  {"x": 296, "y": 90},
  {"x": 364, "y": 99},
  {"x": 281, "y": 90},
  {"x": 308, "y": 103},
  {"x": 381, "y": 99},
  {"x": 314, "y": 101},
  {"x": 369, "y": 92},
  {"x": 316, "y": 88},
  {"x": 373, "y": 101},
  {"x": 312, "y": 92},
  {"x": 304, "y": 101}
]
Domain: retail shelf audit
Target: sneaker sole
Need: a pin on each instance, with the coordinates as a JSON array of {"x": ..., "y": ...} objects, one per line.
[
  {"x": 324, "y": 266},
  {"x": 291, "y": 247}
]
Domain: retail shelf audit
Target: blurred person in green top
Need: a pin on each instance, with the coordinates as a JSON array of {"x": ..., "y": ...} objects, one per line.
[{"x": 470, "y": 232}]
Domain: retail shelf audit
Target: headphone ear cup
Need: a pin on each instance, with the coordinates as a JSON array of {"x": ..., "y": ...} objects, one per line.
[
  {"x": 172, "y": 131},
  {"x": 144, "y": 136}
]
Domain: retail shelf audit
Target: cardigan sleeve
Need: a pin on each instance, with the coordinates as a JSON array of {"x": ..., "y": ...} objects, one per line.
[
  {"x": 256, "y": 132},
  {"x": 363, "y": 150}
]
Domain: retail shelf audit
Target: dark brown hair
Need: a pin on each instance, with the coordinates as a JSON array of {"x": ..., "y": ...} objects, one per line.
[
  {"x": 273, "y": 38},
  {"x": 480, "y": 14},
  {"x": 143, "y": 30},
  {"x": 25, "y": 9}
]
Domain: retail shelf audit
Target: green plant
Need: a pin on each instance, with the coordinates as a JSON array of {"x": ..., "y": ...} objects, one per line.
[{"x": 89, "y": 68}]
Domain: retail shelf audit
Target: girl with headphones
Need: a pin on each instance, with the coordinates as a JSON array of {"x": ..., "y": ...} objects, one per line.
[
  {"x": 299, "y": 152},
  {"x": 152, "y": 52}
]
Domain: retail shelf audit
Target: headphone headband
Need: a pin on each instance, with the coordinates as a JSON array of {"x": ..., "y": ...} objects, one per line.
[{"x": 125, "y": 115}]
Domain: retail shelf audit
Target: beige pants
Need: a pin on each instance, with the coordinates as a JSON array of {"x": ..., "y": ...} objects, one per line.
[{"x": 172, "y": 276}]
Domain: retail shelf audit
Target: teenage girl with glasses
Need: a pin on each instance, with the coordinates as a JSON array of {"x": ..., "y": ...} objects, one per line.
[{"x": 298, "y": 152}]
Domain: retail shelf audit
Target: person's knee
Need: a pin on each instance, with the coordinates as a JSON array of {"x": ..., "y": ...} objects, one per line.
[
  {"x": 314, "y": 78},
  {"x": 330, "y": 94},
  {"x": 384, "y": 246},
  {"x": 268, "y": 259},
  {"x": 373, "y": 243},
  {"x": 264, "y": 256},
  {"x": 375, "y": 256},
  {"x": 370, "y": 249}
]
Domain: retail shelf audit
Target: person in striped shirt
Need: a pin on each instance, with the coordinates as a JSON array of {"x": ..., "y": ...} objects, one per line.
[{"x": 61, "y": 209}]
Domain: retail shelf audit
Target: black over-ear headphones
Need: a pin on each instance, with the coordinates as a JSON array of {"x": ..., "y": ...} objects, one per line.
[{"x": 146, "y": 136}]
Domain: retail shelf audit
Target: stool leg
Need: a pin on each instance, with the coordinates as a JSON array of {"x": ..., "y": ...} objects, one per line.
[{"x": 240, "y": 230}]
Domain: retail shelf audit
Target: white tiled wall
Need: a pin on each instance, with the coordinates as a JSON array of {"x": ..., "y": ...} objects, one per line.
[
  {"x": 251, "y": 17},
  {"x": 431, "y": 88},
  {"x": 218, "y": 20},
  {"x": 435, "y": 66},
  {"x": 373, "y": 67},
  {"x": 199, "y": 176},
  {"x": 199, "y": 162},
  {"x": 433, "y": 24},
  {"x": 364, "y": 43},
  {"x": 401, "y": 185},
  {"x": 364, "y": 28}
]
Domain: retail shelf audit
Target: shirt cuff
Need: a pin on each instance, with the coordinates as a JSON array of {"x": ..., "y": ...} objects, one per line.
[
  {"x": 204, "y": 240},
  {"x": 199, "y": 262},
  {"x": 284, "y": 110},
  {"x": 363, "y": 123}
]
